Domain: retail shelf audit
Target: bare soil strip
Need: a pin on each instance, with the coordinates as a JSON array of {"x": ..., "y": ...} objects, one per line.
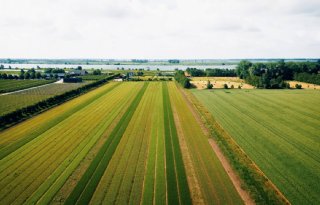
[{"x": 236, "y": 181}]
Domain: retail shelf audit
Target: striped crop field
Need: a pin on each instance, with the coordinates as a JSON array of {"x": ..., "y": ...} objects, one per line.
[
  {"x": 122, "y": 143},
  {"x": 279, "y": 130},
  {"x": 13, "y": 85},
  {"x": 13, "y": 101}
]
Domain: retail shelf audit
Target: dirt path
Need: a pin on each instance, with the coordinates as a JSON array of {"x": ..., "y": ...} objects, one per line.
[
  {"x": 233, "y": 176},
  {"x": 236, "y": 181}
]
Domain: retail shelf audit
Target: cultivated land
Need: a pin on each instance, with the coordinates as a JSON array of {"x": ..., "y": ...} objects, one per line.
[
  {"x": 13, "y": 85},
  {"x": 122, "y": 143},
  {"x": 218, "y": 82},
  {"x": 279, "y": 130},
  {"x": 17, "y": 100}
]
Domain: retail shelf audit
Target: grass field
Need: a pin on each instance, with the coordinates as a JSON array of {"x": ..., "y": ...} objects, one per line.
[
  {"x": 14, "y": 101},
  {"x": 279, "y": 130},
  {"x": 13, "y": 85},
  {"x": 123, "y": 143}
]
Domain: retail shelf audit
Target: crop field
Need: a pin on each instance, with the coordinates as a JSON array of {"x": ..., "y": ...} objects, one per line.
[
  {"x": 123, "y": 143},
  {"x": 279, "y": 130},
  {"x": 218, "y": 82},
  {"x": 14, "y": 101},
  {"x": 13, "y": 85}
]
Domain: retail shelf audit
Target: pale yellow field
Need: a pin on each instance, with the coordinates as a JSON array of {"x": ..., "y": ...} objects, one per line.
[
  {"x": 218, "y": 82},
  {"x": 304, "y": 85}
]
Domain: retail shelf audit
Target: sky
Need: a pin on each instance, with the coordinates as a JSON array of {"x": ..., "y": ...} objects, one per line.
[{"x": 160, "y": 29}]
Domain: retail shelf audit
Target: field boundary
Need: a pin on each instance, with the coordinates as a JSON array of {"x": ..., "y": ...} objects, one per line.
[{"x": 260, "y": 188}]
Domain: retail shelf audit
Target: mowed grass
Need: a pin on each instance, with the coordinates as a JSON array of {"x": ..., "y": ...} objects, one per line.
[
  {"x": 14, "y": 101},
  {"x": 279, "y": 130},
  {"x": 214, "y": 183},
  {"x": 13, "y": 85}
]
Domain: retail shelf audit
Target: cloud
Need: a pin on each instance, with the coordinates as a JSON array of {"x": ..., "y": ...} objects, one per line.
[{"x": 159, "y": 29}]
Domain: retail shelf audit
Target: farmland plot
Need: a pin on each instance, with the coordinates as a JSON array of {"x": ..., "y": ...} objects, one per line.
[
  {"x": 14, "y": 101},
  {"x": 118, "y": 144},
  {"x": 279, "y": 130},
  {"x": 13, "y": 85}
]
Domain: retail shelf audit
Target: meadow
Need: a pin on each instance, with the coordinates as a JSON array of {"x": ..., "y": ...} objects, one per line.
[
  {"x": 122, "y": 143},
  {"x": 13, "y": 85},
  {"x": 279, "y": 130}
]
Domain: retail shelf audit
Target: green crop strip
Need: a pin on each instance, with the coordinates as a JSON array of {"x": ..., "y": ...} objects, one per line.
[
  {"x": 14, "y": 146},
  {"x": 178, "y": 189},
  {"x": 86, "y": 186}
]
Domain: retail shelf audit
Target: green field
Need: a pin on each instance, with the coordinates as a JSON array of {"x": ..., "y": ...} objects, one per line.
[
  {"x": 13, "y": 85},
  {"x": 279, "y": 130},
  {"x": 123, "y": 143},
  {"x": 17, "y": 100}
]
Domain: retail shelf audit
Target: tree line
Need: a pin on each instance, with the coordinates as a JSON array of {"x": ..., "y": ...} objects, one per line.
[
  {"x": 182, "y": 79},
  {"x": 211, "y": 72},
  {"x": 274, "y": 75}
]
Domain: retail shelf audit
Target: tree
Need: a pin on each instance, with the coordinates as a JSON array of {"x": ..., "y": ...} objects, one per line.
[
  {"x": 225, "y": 86},
  {"x": 209, "y": 85},
  {"x": 96, "y": 72},
  {"x": 1, "y": 66},
  {"x": 232, "y": 86},
  {"x": 38, "y": 75},
  {"x": 79, "y": 68},
  {"x": 26, "y": 75},
  {"x": 33, "y": 75},
  {"x": 298, "y": 86}
]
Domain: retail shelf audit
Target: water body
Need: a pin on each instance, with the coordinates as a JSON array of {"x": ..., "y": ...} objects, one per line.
[{"x": 115, "y": 67}]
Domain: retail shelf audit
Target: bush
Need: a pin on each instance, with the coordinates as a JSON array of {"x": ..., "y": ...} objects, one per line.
[
  {"x": 209, "y": 85},
  {"x": 225, "y": 86},
  {"x": 298, "y": 86}
]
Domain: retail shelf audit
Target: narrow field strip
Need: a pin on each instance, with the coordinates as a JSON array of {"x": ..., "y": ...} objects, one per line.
[
  {"x": 178, "y": 190},
  {"x": 86, "y": 186}
]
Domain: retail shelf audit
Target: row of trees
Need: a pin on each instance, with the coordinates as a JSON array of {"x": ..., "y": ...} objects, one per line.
[
  {"x": 307, "y": 77},
  {"x": 182, "y": 79},
  {"x": 211, "y": 72},
  {"x": 274, "y": 75}
]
